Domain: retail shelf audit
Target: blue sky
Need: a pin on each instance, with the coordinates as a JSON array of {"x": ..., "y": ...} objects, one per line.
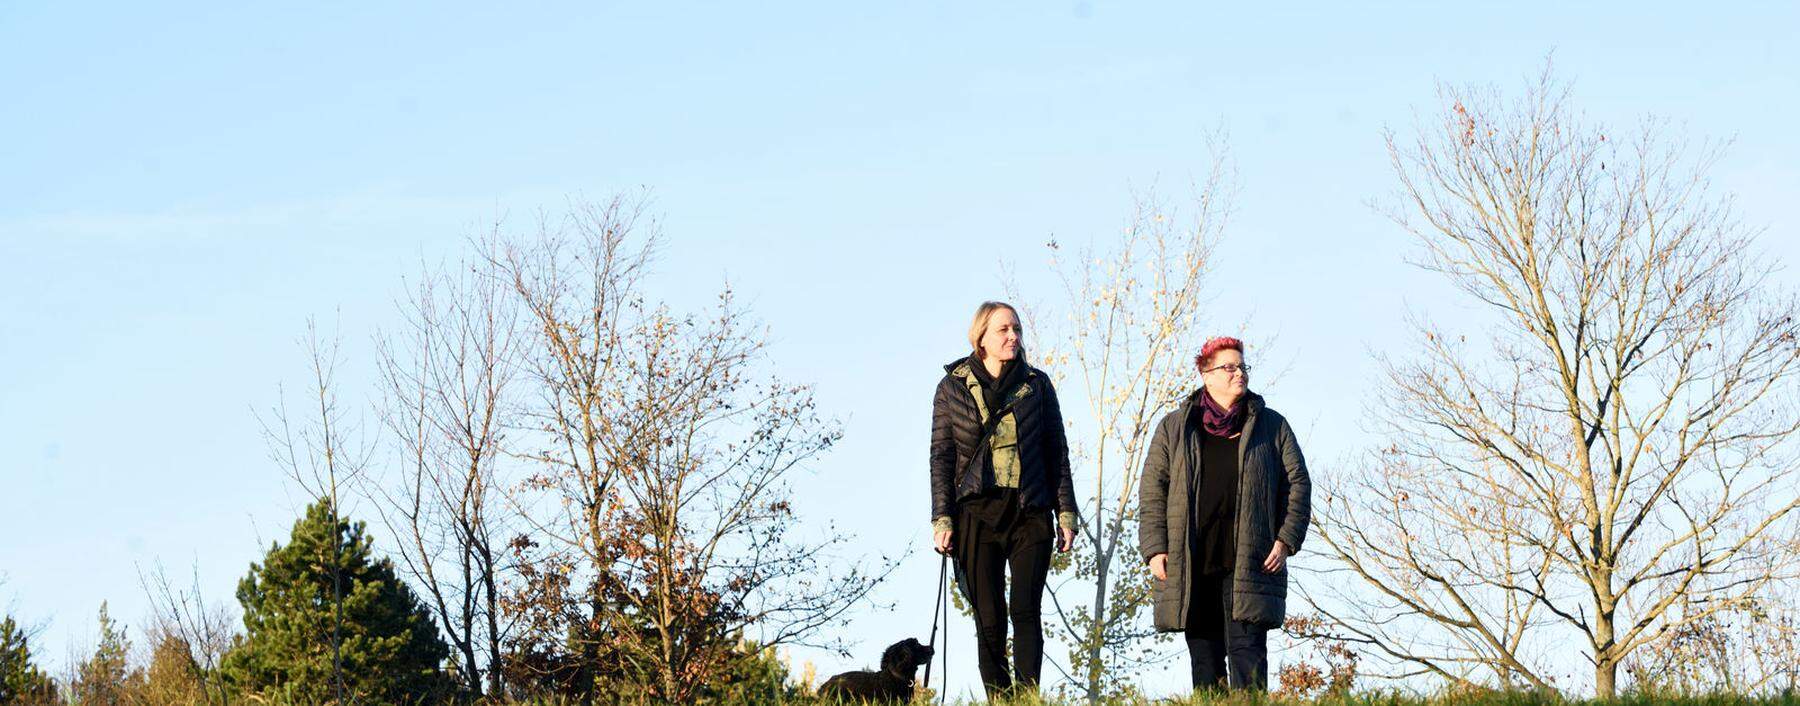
[{"x": 185, "y": 184}]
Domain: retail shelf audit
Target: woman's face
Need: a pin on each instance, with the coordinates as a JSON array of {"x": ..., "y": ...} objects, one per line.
[
  {"x": 1225, "y": 376},
  {"x": 1002, "y": 339}
]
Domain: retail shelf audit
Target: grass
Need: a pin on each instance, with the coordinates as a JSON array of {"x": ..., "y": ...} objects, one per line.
[
  {"x": 1397, "y": 699},
  {"x": 1517, "y": 698}
]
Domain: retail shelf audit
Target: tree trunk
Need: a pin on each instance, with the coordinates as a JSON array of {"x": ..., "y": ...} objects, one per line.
[
  {"x": 1097, "y": 632},
  {"x": 1606, "y": 672},
  {"x": 1606, "y": 662},
  {"x": 495, "y": 685}
]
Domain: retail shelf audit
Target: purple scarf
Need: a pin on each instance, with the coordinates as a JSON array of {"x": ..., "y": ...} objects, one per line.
[{"x": 1219, "y": 421}]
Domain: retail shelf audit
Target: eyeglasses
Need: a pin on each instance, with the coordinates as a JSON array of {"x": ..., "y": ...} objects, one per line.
[{"x": 1229, "y": 368}]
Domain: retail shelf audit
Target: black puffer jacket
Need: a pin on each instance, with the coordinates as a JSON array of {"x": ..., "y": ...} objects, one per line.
[{"x": 956, "y": 424}]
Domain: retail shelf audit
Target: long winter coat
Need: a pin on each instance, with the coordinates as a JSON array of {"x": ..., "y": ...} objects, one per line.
[
  {"x": 1274, "y": 501},
  {"x": 1036, "y": 428}
]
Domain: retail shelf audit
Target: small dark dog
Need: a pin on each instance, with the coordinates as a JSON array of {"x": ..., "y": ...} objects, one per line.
[{"x": 894, "y": 682}]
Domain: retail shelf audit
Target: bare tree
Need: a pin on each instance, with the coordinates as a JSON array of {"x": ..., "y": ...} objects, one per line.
[
  {"x": 1613, "y": 465},
  {"x": 575, "y": 281},
  {"x": 202, "y": 630},
  {"x": 662, "y": 460},
  {"x": 1752, "y": 648},
  {"x": 1130, "y": 328},
  {"x": 444, "y": 375},
  {"x": 320, "y": 454}
]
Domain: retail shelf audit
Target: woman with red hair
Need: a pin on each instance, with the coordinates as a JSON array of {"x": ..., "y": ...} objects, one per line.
[{"x": 1223, "y": 502}]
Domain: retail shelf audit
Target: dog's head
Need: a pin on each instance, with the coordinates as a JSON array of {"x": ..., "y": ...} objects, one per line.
[{"x": 903, "y": 658}]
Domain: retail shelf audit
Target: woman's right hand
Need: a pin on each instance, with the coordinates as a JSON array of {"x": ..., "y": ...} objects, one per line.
[
  {"x": 1159, "y": 567},
  {"x": 941, "y": 541}
]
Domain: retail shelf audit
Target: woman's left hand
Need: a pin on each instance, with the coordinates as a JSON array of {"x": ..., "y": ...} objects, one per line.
[
  {"x": 1065, "y": 539},
  {"x": 1277, "y": 558}
]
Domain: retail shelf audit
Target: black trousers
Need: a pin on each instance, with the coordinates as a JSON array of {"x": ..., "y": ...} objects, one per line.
[
  {"x": 989, "y": 539},
  {"x": 1216, "y": 642}
]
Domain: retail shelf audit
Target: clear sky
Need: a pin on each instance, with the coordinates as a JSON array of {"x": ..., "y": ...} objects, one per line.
[{"x": 181, "y": 186}]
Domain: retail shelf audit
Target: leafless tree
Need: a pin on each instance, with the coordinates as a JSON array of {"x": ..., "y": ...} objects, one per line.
[
  {"x": 445, "y": 374},
  {"x": 661, "y": 460},
  {"x": 1752, "y": 648},
  {"x": 321, "y": 453},
  {"x": 203, "y": 630},
  {"x": 1129, "y": 326},
  {"x": 1599, "y": 455}
]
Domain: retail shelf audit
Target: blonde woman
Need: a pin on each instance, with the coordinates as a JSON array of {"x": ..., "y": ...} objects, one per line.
[{"x": 999, "y": 472}]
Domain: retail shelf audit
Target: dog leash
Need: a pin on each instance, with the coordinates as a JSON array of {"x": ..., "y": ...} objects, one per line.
[{"x": 940, "y": 607}]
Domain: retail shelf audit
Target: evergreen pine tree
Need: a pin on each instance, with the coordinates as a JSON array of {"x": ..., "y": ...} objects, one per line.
[
  {"x": 388, "y": 645},
  {"x": 21, "y": 682},
  {"x": 107, "y": 676}
]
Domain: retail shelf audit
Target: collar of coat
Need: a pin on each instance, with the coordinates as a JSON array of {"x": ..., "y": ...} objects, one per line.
[
  {"x": 961, "y": 369},
  {"x": 1253, "y": 403}
]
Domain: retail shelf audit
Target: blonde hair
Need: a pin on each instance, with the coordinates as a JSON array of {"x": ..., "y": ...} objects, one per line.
[{"x": 978, "y": 326}]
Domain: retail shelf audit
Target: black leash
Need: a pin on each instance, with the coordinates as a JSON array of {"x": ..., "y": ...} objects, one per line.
[{"x": 940, "y": 607}]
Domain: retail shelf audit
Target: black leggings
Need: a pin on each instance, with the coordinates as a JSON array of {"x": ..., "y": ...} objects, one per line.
[
  {"x": 986, "y": 545},
  {"x": 1215, "y": 641}
]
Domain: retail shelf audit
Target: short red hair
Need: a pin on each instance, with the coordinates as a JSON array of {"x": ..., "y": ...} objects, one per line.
[{"x": 1212, "y": 348}]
